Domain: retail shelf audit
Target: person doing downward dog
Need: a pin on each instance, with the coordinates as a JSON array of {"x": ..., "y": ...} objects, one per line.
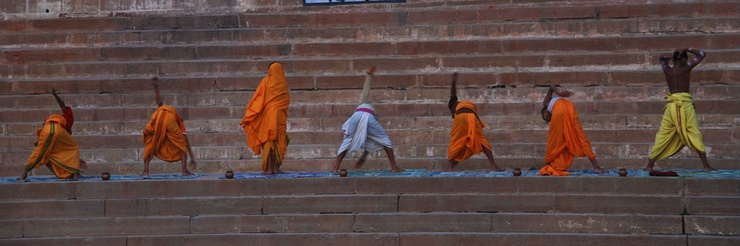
[
  {"x": 565, "y": 138},
  {"x": 363, "y": 132},
  {"x": 466, "y": 137}
]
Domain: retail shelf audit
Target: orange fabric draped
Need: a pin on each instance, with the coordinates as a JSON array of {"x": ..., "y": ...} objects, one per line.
[
  {"x": 56, "y": 149},
  {"x": 163, "y": 136},
  {"x": 466, "y": 137},
  {"x": 565, "y": 140},
  {"x": 266, "y": 117}
]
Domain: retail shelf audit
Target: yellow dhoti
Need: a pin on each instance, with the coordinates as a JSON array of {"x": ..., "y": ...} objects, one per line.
[
  {"x": 163, "y": 136},
  {"x": 466, "y": 137},
  {"x": 565, "y": 140},
  {"x": 678, "y": 128},
  {"x": 56, "y": 149}
]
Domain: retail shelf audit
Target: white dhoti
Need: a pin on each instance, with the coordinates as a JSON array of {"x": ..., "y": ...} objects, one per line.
[{"x": 363, "y": 132}]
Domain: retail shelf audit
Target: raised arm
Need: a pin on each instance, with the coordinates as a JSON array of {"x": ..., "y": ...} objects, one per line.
[
  {"x": 156, "y": 91},
  {"x": 453, "y": 90},
  {"x": 548, "y": 97},
  {"x": 59, "y": 100},
  {"x": 698, "y": 56},
  {"x": 664, "y": 61},
  {"x": 366, "y": 87}
]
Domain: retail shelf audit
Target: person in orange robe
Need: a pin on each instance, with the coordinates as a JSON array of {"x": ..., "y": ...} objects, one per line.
[
  {"x": 565, "y": 138},
  {"x": 466, "y": 137},
  {"x": 56, "y": 149},
  {"x": 266, "y": 117},
  {"x": 165, "y": 137}
]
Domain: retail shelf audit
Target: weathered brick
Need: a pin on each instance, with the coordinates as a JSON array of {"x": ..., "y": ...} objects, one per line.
[
  {"x": 330, "y": 204},
  {"x": 474, "y": 203},
  {"x": 713, "y": 240},
  {"x": 712, "y": 205},
  {"x": 537, "y": 239},
  {"x": 653, "y": 204},
  {"x": 714, "y": 187},
  {"x": 109, "y": 240},
  {"x": 107, "y": 226},
  {"x": 430, "y": 222},
  {"x": 11, "y": 228},
  {"x": 30, "y": 190},
  {"x": 712, "y": 225},
  {"x": 52, "y": 209},
  {"x": 587, "y": 223},
  {"x": 324, "y": 223},
  {"x": 183, "y": 206}
]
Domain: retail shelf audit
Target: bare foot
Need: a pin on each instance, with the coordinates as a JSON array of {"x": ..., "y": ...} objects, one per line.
[
  {"x": 145, "y": 173},
  {"x": 278, "y": 172},
  {"x": 599, "y": 170},
  {"x": 497, "y": 169},
  {"x": 649, "y": 169},
  {"x": 23, "y": 176},
  {"x": 447, "y": 169},
  {"x": 334, "y": 170},
  {"x": 709, "y": 169},
  {"x": 397, "y": 170},
  {"x": 267, "y": 172},
  {"x": 187, "y": 173}
]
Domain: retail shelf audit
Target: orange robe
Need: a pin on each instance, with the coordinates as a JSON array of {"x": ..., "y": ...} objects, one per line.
[
  {"x": 266, "y": 117},
  {"x": 466, "y": 138},
  {"x": 164, "y": 135},
  {"x": 56, "y": 149},
  {"x": 565, "y": 140}
]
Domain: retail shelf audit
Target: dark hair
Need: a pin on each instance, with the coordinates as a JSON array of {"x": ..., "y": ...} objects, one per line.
[
  {"x": 679, "y": 55},
  {"x": 542, "y": 112}
]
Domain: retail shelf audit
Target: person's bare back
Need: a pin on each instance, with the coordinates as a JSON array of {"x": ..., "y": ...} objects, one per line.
[{"x": 678, "y": 77}]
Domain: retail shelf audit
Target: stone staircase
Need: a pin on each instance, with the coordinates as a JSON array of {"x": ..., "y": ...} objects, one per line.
[
  {"x": 374, "y": 211},
  {"x": 506, "y": 53}
]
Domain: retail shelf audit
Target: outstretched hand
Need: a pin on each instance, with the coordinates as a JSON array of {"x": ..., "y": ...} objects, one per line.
[
  {"x": 154, "y": 81},
  {"x": 371, "y": 70}
]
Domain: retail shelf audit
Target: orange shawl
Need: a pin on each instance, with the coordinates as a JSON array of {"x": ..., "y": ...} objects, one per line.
[
  {"x": 163, "y": 136},
  {"x": 266, "y": 117},
  {"x": 565, "y": 140},
  {"x": 466, "y": 138},
  {"x": 56, "y": 149}
]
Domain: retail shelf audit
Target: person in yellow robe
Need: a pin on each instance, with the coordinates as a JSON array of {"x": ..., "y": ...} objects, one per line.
[
  {"x": 55, "y": 149},
  {"x": 266, "y": 117},
  {"x": 679, "y": 126},
  {"x": 466, "y": 137},
  {"x": 565, "y": 138},
  {"x": 165, "y": 137}
]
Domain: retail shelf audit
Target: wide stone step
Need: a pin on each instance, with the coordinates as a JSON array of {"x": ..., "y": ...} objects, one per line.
[
  {"x": 361, "y": 48},
  {"x": 415, "y": 31},
  {"x": 381, "y": 16},
  {"x": 425, "y": 238}
]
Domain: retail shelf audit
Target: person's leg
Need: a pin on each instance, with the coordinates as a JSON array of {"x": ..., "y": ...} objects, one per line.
[
  {"x": 338, "y": 162},
  {"x": 491, "y": 162},
  {"x": 650, "y": 165},
  {"x": 392, "y": 159},
  {"x": 451, "y": 166},
  {"x": 705, "y": 162},
  {"x": 362, "y": 159},
  {"x": 146, "y": 166},
  {"x": 23, "y": 176},
  {"x": 597, "y": 168},
  {"x": 184, "y": 160}
]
